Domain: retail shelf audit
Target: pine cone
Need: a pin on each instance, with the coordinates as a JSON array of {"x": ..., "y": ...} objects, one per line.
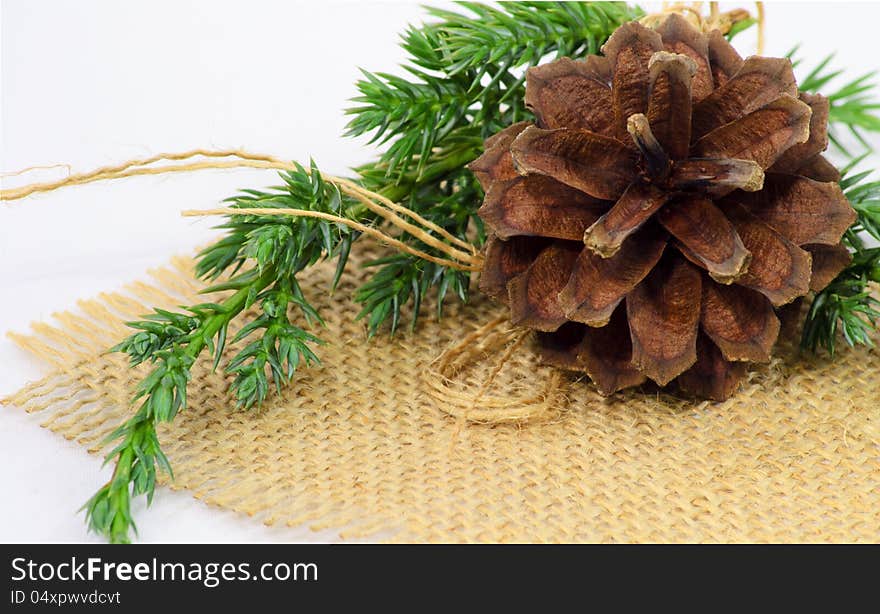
[{"x": 668, "y": 198}]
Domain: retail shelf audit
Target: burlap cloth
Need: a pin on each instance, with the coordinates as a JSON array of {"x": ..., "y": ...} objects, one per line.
[{"x": 358, "y": 444}]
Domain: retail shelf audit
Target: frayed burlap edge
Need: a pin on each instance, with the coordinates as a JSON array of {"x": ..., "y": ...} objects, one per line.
[{"x": 361, "y": 444}]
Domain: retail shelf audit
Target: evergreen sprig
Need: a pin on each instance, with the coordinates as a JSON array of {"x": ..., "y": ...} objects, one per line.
[
  {"x": 277, "y": 248},
  {"x": 864, "y": 196},
  {"x": 846, "y": 306},
  {"x": 523, "y": 33}
]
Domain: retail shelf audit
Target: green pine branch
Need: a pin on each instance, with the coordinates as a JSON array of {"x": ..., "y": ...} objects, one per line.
[
  {"x": 486, "y": 40},
  {"x": 846, "y": 306},
  {"x": 274, "y": 250},
  {"x": 864, "y": 196}
]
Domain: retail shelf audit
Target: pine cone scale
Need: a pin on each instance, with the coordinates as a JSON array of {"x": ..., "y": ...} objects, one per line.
[
  {"x": 598, "y": 165},
  {"x": 711, "y": 377},
  {"x": 496, "y": 163},
  {"x": 534, "y": 294},
  {"x": 762, "y": 135},
  {"x": 819, "y": 168},
  {"x": 716, "y": 177},
  {"x": 802, "y": 210},
  {"x": 606, "y": 355},
  {"x": 629, "y": 51},
  {"x": 670, "y": 102},
  {"x": 507, "y": 259},
  {"x": 757, "y": 83},
  {"x": 602, "y": 353},
  {"x": 663, "y": 313},
  {"x": 739, "y": 321},
  {"x": 780, "y": 270},
  {"x": 597, "y": 285},
  {"x": 828, "y": 262},
  {"x": 569, "y": 94},
  {"x": 708, "y": 236},
  {"x": 681, "y": 39},
  {"x": 636, "y": 206},
  {"x": 724, "y": 60},
  {"x": 537, "y": 205},
  {"x": 791, "y": 160}
]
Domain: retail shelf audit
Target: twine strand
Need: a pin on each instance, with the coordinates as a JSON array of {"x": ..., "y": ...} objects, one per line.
[
  {"x": 759, "y": 9},
  {"x": 120, "y": 170},
  {"x": 518, "y": 340},
  {"x": 38, "y": 167},
  {"x": 376, "y": 203},
  {"x": 473, "y": 264}
]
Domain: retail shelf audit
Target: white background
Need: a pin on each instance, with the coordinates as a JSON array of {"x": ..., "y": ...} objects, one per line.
[{"x": 94, "y": 82}]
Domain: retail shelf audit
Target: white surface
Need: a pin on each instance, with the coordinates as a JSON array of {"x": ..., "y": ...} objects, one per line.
[{"x": 95, "y": 82}]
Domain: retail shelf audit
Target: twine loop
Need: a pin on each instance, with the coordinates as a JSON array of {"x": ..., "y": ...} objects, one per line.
[{"x": 461, "y": 388}]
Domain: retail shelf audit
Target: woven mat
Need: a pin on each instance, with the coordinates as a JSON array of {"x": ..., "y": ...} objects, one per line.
[{"x": 357, "y": 444}]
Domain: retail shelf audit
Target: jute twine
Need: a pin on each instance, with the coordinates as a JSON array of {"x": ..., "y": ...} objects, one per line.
[{"x": 358, "y": 444}]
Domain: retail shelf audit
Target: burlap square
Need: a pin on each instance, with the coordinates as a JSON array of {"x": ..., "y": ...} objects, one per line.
[{"x": 361, "y": 443}]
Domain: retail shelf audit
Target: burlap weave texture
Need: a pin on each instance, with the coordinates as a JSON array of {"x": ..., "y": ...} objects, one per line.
[{"x": 359, "y": 444}]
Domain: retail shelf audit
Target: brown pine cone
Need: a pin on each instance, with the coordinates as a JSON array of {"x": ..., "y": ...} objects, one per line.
[{"x": 668, "y": 198}]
